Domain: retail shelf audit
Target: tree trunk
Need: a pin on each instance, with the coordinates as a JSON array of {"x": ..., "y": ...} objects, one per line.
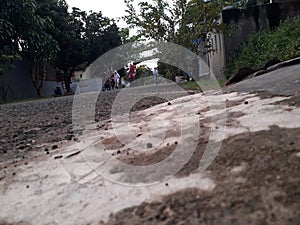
[
  {"x": 38, "y": 76},
  {"x": 67, "y": 81},
  {"x": 5, "y": 91}
]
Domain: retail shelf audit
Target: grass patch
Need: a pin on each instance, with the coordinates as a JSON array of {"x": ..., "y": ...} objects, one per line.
[
  {"x": 190, "y": 85},
  {"x": 283, "y": 43},
  {"x": 202, "y": 85}
]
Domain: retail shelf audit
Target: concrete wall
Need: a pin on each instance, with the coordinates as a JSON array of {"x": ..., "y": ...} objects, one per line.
[
  {"x": 87, "y": 85},
  {"x": 216, "y": 58},
  {"x": 16, "y": 84},
  {"x": 254, "y": 19},
  {"x": 78, "y": 74}
]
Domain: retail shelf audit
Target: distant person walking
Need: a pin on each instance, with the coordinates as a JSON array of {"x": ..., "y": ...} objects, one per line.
[
  {"x": 155, "y": 75},
  {"x": 132, "y": 71},
  {"x": 116, "y": 79}
]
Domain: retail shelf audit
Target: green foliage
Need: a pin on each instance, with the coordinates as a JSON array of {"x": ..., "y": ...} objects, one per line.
[
  {"x": 83, "y": 37},
  {"x": 177, "y": 21},
  {"x": 43, "y": 31},
  {"x": 13, "y": 20},
  {"x": 143, "y": 71},
  {"x": 157, "y": 20},
  {"x": 242, "y": 4},
  {"x": 6, "y": 61},
  {"x": 190, "y": 85},
  {"x": 101, "y": 34},
  {"x": 283, "y": 43},
  {"x": 169, "y": 71},
  {"x": 202, "y": 85},
  {"x": 26, "y": 32},
  {"x": 201, "y": 19}
]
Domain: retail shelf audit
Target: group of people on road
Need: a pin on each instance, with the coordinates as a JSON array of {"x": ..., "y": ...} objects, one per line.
[
  {"x": 132, "y": 74},
  {"x": 114, "y": 82}
]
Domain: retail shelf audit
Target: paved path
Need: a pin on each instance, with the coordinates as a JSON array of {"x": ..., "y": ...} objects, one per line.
[{"x": 284, "y": 81}]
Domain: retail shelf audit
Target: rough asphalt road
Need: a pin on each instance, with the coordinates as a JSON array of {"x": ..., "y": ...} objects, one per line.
[
  {"x": 254, "y": 178},
  {"x": 40, "y": 125}
]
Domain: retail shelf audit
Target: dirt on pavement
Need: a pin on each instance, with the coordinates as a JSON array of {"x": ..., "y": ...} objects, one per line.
[
  {"x": 42, "y": 125},
  {"x": 256, "y": 173},
  {"x": 257, "y": 178}
]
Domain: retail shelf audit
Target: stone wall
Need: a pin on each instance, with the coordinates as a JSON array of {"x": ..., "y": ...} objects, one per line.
[{"x": 254, "y": 19}]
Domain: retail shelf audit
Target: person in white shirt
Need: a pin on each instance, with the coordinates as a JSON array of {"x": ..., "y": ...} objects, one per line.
[
  {"x": 116, "y": 79},
  {"x": 155, "y": 75}
]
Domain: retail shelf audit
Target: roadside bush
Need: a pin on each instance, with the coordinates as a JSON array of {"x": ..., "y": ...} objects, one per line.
[{"x": 283, "y": 43}]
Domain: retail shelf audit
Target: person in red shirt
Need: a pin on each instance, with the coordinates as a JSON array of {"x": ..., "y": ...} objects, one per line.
[{"x": 132, "y": 72}]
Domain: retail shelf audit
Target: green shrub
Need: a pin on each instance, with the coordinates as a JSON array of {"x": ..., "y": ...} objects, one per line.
[{"x": 283, "y": 43}]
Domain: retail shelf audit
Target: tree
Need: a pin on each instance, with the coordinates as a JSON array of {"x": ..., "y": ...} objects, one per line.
[
  {"x": 82, "y": 38},
  {"x": 158, "y": 20},
  {"x": 101, "y": 35},
  {"x": 41, "y": 47},
  {"x": 14, "y": 17},
  {"x": 126, "y": 38},
  {"x": 177, "y": 21},
  {"x": 201, "y": 19},
  {"x": 71, "y": 42},
  {"x": 43, "y": 32},
  {"x": 143, "y": 71},
  {"x": 25, "y": 34}
]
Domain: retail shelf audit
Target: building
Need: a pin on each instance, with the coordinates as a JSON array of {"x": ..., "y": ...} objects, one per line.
[{"x": 81, "y": 84}]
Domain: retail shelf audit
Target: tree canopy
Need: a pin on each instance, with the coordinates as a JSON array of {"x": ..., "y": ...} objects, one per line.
[
  {"x": 24, "y": 32},
  {"x": 181, "y": 22},
  {"x": 46, "y": 31},
  {"x": 43, "y": 31},
  {"x": 177, "y": 21}
]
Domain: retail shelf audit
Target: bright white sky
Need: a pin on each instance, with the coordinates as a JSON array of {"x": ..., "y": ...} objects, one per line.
[{"x": 110, "y": 8}]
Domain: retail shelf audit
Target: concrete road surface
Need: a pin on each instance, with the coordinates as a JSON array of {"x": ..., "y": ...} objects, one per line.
[{"x": 284, "y": 81}]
